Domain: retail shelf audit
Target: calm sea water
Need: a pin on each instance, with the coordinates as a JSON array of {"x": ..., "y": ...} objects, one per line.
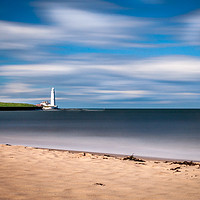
[{"x": 164, "y": 133}]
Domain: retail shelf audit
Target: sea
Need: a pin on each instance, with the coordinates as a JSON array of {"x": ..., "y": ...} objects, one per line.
[{"x": 161, "y": 133}]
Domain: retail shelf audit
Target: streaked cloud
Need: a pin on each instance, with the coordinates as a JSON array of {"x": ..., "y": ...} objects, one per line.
[
  {"x": 78, "y": 24},
  {"x": 24, "y": 36},
  {"x": 158, "y": 68},
  {"x": 70, "y": 25},
  {"x": 191, "y": 28},
  {"x": 151, "y": 80},
  {"x": 168, "y": 68},
  {"x": 35, "y": 70},
  {"x": 11, "y": 88},
  {"x": 87, "y": 27}
]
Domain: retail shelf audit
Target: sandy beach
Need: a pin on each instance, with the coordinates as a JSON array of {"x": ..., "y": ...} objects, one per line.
[{"x": 33, "y": 173}]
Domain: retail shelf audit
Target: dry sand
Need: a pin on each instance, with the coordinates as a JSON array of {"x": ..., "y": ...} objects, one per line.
[{"x": 30, "y": 173}]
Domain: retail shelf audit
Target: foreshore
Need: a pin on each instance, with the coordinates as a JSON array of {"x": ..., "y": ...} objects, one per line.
[{"x": 40, "y": 173}]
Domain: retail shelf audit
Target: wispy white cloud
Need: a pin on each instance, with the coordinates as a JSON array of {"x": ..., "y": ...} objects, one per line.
[
  {"x": 158, "y": 68},
  {"x": 182, "y": 30},
  {"x": 191, "y": 28},
  {"x": 92, "y": 27},
  {"x": 128, "y": 92},
  {"x": 11, "y": 88},
  {"x": 21, "y": 99},
  {"x": 119, "y": 94},
  {"x": 27, "y": 99},
  {"x": 35, "y": 70},
  {"x": 25, "y": 36},
  {"x": 73, "y": 25},
  {"x": 167, "y": 68}
]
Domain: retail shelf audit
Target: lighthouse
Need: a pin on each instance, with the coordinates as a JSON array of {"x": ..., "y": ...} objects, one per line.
[
  {"x": 53, "y": 101},
  {"x": 52, "y": 105}
]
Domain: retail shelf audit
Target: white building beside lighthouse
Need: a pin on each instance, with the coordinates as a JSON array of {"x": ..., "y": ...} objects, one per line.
[{"x": 49, "y": 106}]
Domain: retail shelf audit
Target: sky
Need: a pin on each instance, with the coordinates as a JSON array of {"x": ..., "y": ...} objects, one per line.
[{"x": 101, "y": 54}]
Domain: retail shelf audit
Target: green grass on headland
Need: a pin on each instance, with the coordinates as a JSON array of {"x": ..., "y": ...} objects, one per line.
[{"x": 2, "y": 104}]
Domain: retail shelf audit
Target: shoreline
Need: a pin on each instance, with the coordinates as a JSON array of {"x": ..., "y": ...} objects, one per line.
[
  {"x": 50, "y": 174},
  {"x": 148, "y": 158}
]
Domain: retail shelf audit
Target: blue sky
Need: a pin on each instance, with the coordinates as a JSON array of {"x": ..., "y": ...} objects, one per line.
[{"x": 105, "y": 54}]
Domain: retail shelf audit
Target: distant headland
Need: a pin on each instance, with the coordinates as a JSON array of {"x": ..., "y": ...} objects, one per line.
[
  {"x": 24, "y": 106},
  {"x": 17, "y": 106}
]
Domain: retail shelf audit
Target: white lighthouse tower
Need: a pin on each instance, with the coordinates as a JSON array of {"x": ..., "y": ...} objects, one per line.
[{"x": 53, "y": 101}]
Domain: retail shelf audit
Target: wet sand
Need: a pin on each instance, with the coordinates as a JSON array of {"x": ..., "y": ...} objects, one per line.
[{"x": 34, "y": 173}]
